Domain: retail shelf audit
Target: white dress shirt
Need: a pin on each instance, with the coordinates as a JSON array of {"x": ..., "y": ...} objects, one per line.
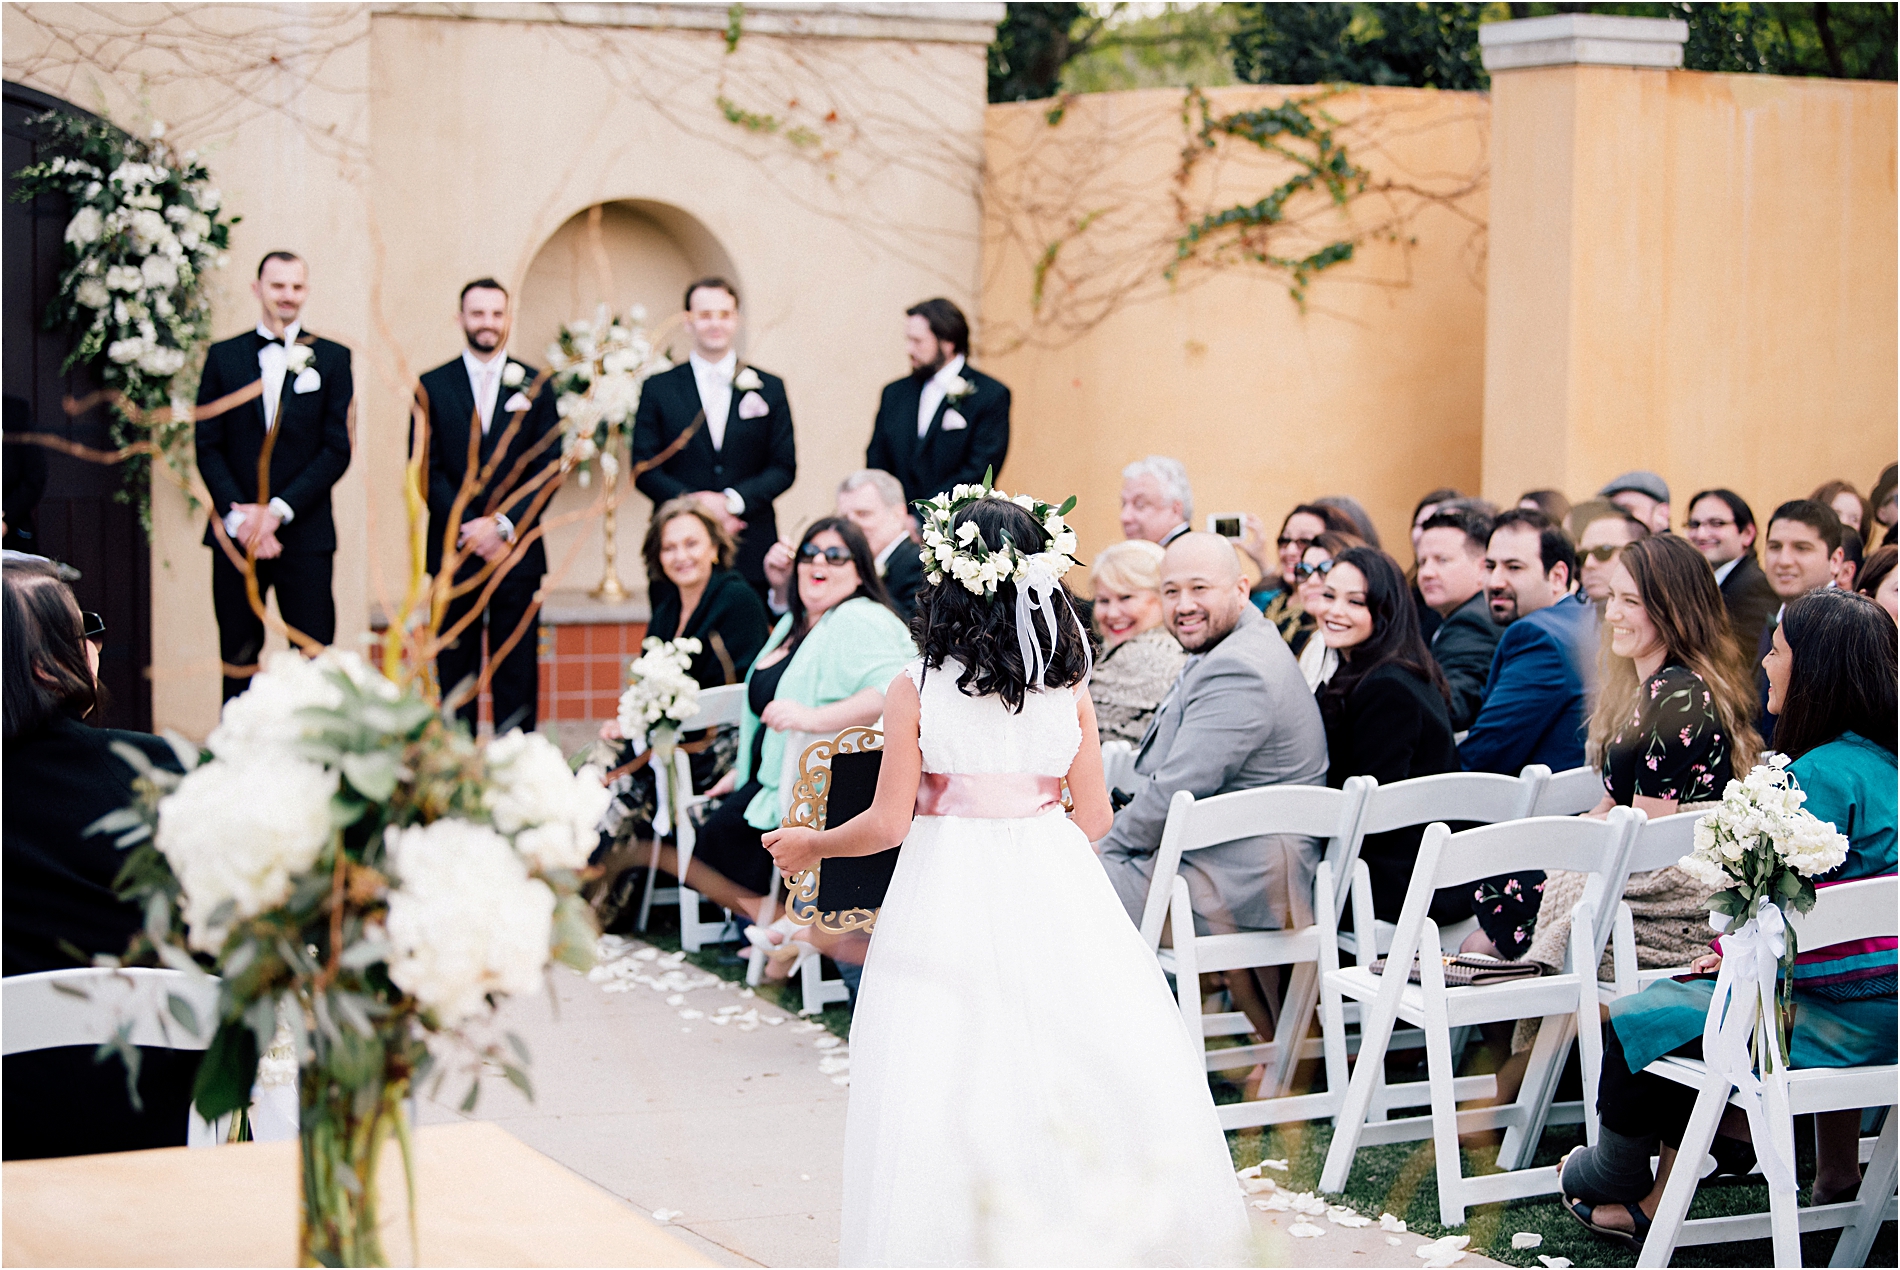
[
  {"x": 1723, "y": 570},
  {"x": 883, "y": 558},
  {"x": 484, "y": 380},
  {"x": 936, "y": 388},
  {"x": 273, "y": 364},
  {"x": 714, "y": 380}
]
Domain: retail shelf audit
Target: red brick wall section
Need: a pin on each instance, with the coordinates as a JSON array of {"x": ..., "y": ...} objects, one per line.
[{"x": 583, "y": 669}]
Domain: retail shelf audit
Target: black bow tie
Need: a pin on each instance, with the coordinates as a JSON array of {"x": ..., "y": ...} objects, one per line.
[{"x": 264, "y": 341}]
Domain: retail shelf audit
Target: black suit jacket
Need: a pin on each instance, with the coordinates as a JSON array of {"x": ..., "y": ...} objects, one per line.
[
  {"x": 946, "y": 456},
  {"x": 312, "y": 450},
  {"x": 1749, "y": 599},
  {"x": 451, "y": 405},
  {"x": 1463, "y": 646},
  {"x": 730, "y": 609},
  {"x": 758, "y": 460},
  {"x": 904, "y": 576}
]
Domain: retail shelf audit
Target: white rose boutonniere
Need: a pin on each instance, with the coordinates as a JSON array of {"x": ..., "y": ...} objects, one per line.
[
  {"x": 747, "y": 380},
  {"x": 512, "y": 374},
  {"x": 297, "y": 357},
  {"x": 958, "y": 388}
]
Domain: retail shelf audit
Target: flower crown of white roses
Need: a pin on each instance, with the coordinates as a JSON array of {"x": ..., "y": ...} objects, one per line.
[{"x": 959, "y": 550}]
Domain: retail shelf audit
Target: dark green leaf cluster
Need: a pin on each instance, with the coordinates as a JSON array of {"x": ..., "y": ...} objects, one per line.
[
  {"x": 1033, "y": 43},
  {"x": 1388, "y": 45}
]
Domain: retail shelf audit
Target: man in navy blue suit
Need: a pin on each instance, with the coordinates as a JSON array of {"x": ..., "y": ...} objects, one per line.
[{"x": 1537, "y": 697}]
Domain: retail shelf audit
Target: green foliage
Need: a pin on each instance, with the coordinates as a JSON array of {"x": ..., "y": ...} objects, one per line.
[
  {"x": 735, "y": 26},
  {"x": 1178, "y": 46},
  {"x": 227, "y": 1073},
  {"x": 767, "y": 125},
  {"x": 1034, "y": 42},
  {"x": 1834, "y": 41},
  {"x": 1413, "y": 45}
]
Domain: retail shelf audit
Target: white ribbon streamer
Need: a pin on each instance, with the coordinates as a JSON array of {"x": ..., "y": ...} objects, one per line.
[
  {"x": 1751, "y": 961},
  {"x": 1035, "y": 593}
]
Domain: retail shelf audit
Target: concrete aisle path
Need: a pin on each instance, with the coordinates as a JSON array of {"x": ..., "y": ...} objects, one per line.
[{"x": 735, "y": 1129}]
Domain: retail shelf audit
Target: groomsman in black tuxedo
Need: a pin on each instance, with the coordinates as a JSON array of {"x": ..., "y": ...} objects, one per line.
[
  {"x": 743, "y": 454},
  {"x": 945, "y": 424},
  {"x": 304, "y": 413},
  {"x": 484, "y": 394}
]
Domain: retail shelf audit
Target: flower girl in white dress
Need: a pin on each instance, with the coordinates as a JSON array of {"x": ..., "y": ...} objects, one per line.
[{"x": 1023, "y": 1088}]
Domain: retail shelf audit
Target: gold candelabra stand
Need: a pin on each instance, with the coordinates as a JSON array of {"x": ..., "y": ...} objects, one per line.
[{"x": 610, "y": 590}]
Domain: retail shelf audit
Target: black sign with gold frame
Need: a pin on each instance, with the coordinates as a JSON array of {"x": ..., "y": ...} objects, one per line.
[{"x": 837, "y": 779}]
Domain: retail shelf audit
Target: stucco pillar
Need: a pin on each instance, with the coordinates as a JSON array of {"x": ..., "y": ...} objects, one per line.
[{"x": 1573, "y": 319}]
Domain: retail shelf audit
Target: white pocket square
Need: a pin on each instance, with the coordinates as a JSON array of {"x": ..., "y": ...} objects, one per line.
[
  {"x": 954, "y": 422},
  {"x": 307, "y": 380},
  {"x": 752, "y": 406},
  {"x": 517, "y": 403}
]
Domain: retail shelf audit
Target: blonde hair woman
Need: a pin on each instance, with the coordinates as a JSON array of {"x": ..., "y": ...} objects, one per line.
[{"x": 1140, "y": 660}]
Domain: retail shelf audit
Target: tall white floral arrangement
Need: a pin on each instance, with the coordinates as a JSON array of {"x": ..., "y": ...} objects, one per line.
[
  {"x": 598, "y": 368},
  {"x": 147, "y": 227}
]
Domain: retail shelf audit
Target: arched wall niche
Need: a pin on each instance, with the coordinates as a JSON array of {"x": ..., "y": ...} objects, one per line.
[{"x": 634, "y": 252}]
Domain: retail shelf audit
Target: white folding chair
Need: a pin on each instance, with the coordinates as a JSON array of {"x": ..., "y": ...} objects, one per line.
[
  {"x": 718, "y": 707},
  {"x": 1118, "y": 766},
  {"x": 1486, "y": 798},
  {"x": 1195, "y": 824},
  {"x": 1570, "y": 793},
  {"x": 1848, "y": 911},
  {"x": 1597, "y": 847},
  {"x": 1659, "y": 844},
  {"x": 91, "y": 1005}
]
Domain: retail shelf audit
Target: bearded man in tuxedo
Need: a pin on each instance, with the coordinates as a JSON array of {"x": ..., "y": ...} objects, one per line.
[
  {"x": 742, "y": 454},
  {"x": 945, "y": 424},
  {"x": 487, "y": 410},
  {"x": 303, "y": 413}
]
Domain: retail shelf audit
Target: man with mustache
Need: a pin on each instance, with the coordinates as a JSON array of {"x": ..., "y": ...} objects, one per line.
[{"x": 945, "y": 424}]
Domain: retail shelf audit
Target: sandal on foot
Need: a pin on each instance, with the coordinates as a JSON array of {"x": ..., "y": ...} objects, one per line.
[{"x": 1586, "y": 1214}]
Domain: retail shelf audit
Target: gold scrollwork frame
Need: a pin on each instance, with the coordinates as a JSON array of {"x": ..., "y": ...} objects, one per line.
[{"x": 810, "y": 797}]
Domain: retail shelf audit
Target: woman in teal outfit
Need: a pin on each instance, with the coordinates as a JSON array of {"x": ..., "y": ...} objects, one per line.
[{"x": 1831, "y": 684}]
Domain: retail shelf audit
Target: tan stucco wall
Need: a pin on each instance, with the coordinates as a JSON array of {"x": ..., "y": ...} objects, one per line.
[
  {"x": 1692, "y": 273},
  {"x": 407, "y": 149},
  {"x": 1375, "y": 390}
]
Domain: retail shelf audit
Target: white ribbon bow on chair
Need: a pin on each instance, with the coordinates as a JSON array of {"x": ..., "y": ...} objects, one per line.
[{"x": 1751, "y": 961}]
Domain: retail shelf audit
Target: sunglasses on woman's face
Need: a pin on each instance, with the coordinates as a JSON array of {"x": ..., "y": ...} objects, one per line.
[
  {"x": 1303, "y": 570},
  {"x": 1283, "y": 542},
  {"x": 1602, "y": 555},
  {"x": 93, "y": 626},
  {"x": 830, "y": 555}
]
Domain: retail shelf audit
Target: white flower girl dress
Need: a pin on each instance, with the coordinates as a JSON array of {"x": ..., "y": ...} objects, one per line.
[{"x": 1023, "y": 1089}]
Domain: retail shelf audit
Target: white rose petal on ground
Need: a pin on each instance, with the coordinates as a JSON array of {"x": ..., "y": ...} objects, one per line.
[
  {"x": 1526, "y": 1239},
  {"x": 665, "y": 1215},
  {"x": 1388, "y": 1222},
  {"x": 1555, "y": 1263},
  {"x": 1305, "y": 1230},
  {"x": 465, "y": 920},
  {"x": 1394, "y": 1240},
  {"x": 1279, "y": 1166}
]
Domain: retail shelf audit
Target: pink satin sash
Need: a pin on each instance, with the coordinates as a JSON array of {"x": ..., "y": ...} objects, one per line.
[{"x": 988, "y": 795}]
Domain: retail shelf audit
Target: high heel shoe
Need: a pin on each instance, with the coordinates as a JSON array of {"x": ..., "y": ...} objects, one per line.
[{"x": 787, "y": 959}]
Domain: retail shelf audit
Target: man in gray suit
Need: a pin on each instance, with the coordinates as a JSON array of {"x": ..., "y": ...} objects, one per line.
[{"x": 1239, "y": 717}]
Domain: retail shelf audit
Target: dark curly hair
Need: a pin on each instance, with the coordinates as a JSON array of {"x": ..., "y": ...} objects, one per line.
[{"x": 980, "y": 631}]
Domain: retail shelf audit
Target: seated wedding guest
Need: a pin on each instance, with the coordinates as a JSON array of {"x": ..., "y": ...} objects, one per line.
[
  {"x": 695, "y": 594},
  {"x": 874, "y": 502},
  {"x": 1644, "y": 495},
  {"x": 1363, "y": 527},
  {"x": 1602, "y": 531},
  {"x": 1157, "y": 502},
  {"x": 1551, "y": 502},
  {"x": 1831, "y": 670},
  {"x": 824, "y": 669},
  {"x": 1721, "y": 526},
  {"x": 1385, "y": 712},
  {"x": 1886, "y": 504},
  {"x": 1301, "y": 528},
  {"x": 60, "y": 775},
  {"x": 1240, "y": 717},
  {"x": 1426, "y": 508},
  {"x": 1672, "y": 725},
  {"x": 1317, "y": 661},
  {"x": 1140, "y": 660},
  {"x": 1877, "y": 578},
  {"x": 1803, "y": 554},
  {"x": 1855, "y": 512},
  {"x": 1536, "y": 696},
  {"x": 1451, "y": 577}
]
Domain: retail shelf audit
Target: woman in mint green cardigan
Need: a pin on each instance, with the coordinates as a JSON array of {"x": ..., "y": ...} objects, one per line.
[{"x": 824, "y": 669}]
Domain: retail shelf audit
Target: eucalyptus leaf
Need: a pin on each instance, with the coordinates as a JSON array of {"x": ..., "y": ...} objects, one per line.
[
  {"x": 474, "y": 1092},
  {"x": 181, "y": 1010},
  {"x": 520, "y": 1047},
  {"x": 133, "y": 757},
  {"x": 519, "y": 1079},
  {"x": 349, "y": 1008},
  {"x": 366, "y": 953},
  {"x": 227, "y": 1072},
  {"x": 261, "y": 1017},
  {"x": 189, "y": 755},
  {"x": 120, "y": 1046},
  {"x": 373, "y": 775}
]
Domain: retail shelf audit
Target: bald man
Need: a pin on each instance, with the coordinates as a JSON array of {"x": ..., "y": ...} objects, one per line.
[{"x": 1239, "y": 717}]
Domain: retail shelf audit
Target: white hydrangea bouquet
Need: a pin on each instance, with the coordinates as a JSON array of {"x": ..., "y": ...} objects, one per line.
[
  {"x": 598, "y": 368},
  {"x": 1761, "y": 851},
  {"x": 147, "y": 228},
  {"x": 661, "y": 693},
  {"x": 354, "y": 865}
]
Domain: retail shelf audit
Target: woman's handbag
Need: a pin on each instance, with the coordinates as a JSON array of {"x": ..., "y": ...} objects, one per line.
[{"x": 1470, "y": 970}]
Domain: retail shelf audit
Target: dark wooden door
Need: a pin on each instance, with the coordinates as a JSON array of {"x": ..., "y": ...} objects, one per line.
[{"x": 79, "y": 519}]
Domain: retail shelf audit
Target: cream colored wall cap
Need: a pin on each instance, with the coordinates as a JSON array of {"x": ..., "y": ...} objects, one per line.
[
  {"x": 1586, "y": 39},
  {"x": 921, "y": 23}
]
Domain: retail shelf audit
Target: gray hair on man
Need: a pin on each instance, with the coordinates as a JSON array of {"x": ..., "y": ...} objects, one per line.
[
  {"x": 1170, "y": 475},
  {"x": 888, "y": 487}
]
